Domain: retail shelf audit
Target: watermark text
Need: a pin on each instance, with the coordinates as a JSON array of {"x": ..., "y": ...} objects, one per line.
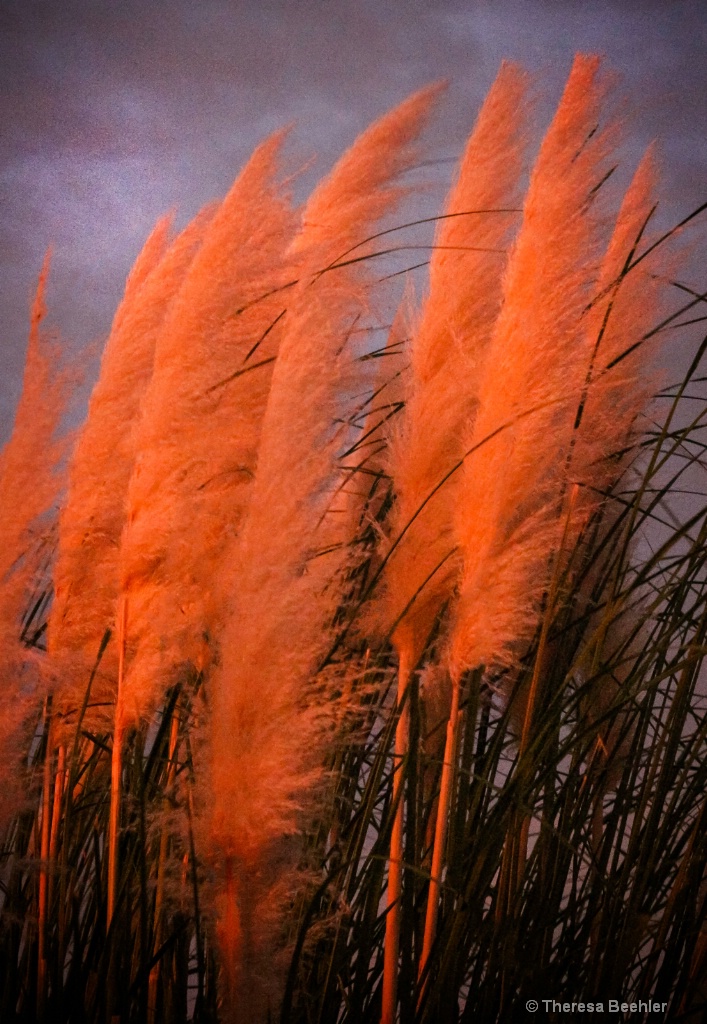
[{"x": 608, "y": 1006}]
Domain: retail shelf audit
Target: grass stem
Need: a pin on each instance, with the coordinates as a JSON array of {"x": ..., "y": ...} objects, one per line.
[
  {"x": 115, "y": 773},
  {"x": 395, "y": 871},
  {"x": 441, "y": 825}
]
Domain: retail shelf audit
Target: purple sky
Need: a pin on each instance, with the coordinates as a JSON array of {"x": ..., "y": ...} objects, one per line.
[{"x": 112, "y": 113}]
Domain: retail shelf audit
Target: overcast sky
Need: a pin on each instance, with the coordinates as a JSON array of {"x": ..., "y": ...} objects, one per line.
[{"x": 113, "y": 112}]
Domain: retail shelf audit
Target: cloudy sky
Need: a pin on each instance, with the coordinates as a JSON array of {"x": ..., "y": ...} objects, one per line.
[{"x": 112, "y": 113}]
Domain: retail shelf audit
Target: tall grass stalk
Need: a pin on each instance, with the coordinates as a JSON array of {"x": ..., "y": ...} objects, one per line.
[
  {"x": 287, "y": 566},
  {"x": 116, "y": 770},
  {"x": 30, "y": 481},
  {"x": 161, "y": 868},
  {"x": 43, "y": 892},
  {"x": 86, "y": 573},
  {"x": 224, "y": 319},
  {"x": 447, "y": 352}
]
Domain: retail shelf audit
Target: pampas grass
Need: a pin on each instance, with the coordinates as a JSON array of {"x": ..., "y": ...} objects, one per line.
[
  {"x": 286, "y": 566},
  {"x": 86, "y": 573},
  {"x": 375, "y": 664},
  {"x": 213, "y": 362},
  {"x": 30, "y": 481},
  {"x": 519, "y": 441},
  {"x": 447, "y": 353}
]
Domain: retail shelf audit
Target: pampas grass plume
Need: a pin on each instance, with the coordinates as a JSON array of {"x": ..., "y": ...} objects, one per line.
[
  {"x": 631, "y": 300},
  {"x": 270, "y": 725},
  {"x": 512, "y": 481},
  {"x": 447, "y": 354},
  {"x": 213, "y": 364},
  {"x": 30, "y": 481},
  {"x": 93, "y": 515},
  {"x": 448, "y": 351}
]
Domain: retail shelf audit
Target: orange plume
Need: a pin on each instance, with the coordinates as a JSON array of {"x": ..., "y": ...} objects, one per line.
[
  {"x": 198, "y": 436},
  {"x": 631, "y": 300},
  {"x": 448, "y": 354},
  {"x": 91, "y": 521},
  {"x": 270, "y": 727},
  {"x": 512, "y": 481},
  {"x": 29, "y": 485}
]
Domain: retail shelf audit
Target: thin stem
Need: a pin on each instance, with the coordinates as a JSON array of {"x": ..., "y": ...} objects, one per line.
[
  {"x": 201, "y": 968},
  {"x": 395, "y": 871},
  {"x": 115, "y": 772},
  {"x": 56, "y": 817},
  {"x": 159, "y": 893},
  {"x": 44, "y": 862},
  {"x": 440, "y": 839}
]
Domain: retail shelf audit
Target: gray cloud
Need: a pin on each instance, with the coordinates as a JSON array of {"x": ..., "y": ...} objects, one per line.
[{"x": 112, "y": 113}]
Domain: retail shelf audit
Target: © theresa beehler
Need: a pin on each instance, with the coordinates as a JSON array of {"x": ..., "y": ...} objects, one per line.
[{"x": 608, "y": 1006}]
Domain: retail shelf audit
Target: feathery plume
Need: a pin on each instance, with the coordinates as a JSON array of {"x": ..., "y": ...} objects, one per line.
[
  {"x": 198, "y": 437},
  {"x": 508, "y": 521},
  {"x": 516, "y": 515},
  {"x": 447, "y": 356},
  {"x": 91, "y": 521},
  {"x": 29, "y": 485},
  {"x": 269, "y": 721},
  {"x": 630, "y": 300},
  {"x": 631, "y": 297},
  {"x": 183, "y": 475}
]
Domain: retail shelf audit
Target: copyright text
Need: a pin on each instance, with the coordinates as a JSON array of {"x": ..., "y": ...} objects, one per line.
[{"x": 610, "y": 1006}]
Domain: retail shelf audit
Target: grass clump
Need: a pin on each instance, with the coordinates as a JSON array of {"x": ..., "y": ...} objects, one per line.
[{"x": 373, "y": 688}]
